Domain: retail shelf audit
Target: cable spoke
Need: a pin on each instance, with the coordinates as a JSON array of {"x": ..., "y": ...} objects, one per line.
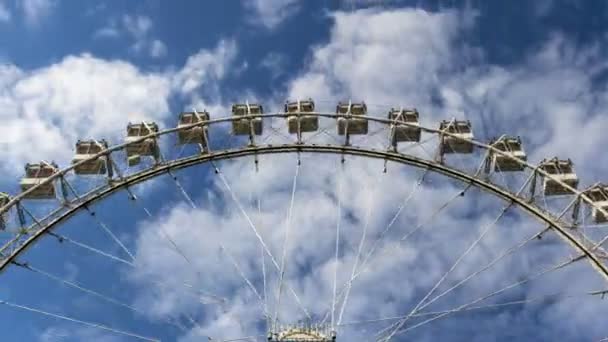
[
  {"x": 359, "y": 249},
  {"x": 94, "y": 293},
  {"x": 490, "y": 295},
  {"x": 493, "y": 262},
  {"x": 483, "y": 233},
  {"x": 259, "y": 237},
  {"x": 367, "y": 261},
  {"x": 322, "y": 130},
  {"x": 487, "y": 229},
  {"x": 244, "y": 277},
  {"x": 247, "y": 338},
  {"x": 74, "y": 320},
  {"x": 286, "y": 243},
  {"x": 407, "y": 199},
  {"x": 338, "y": 221},
  {"x": 550, "y": 297},
  {"x": 62, "y": 238},
  {"x": 115, "y": 238},
  {"x": 263, "y": 257},
  {"x": 99, "y": 222},
  {"x": 230, "y": 257},
  {"x": 164, "y": 234}
]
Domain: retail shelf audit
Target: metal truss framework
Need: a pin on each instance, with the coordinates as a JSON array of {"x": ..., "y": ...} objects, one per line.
[{"x": 26, "y": 237}]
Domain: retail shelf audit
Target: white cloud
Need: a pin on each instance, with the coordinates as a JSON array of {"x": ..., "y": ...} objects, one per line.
[
  {"x": 275, "y": 63},
  {"x": 415, "y": 61},
  {"x": 271, "y": 13},
  {"x": 48, "y": 109},
  {"x": 36, "y": 10},
  {"x": 205, "y": 66},
  {"x": 111, "y": 29},
  {"x": 387, "y": 57},
  {"x": 158, "y": 49},
  {"x": 57, "y": 334},
  {"x": 5, "y": 14},
  {"x": 136, "y": 28},
  {"x": 82, "y": 97}
]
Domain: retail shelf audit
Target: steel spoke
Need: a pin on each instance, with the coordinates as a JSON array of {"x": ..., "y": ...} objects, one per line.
[
  {"x": 259, "y": 237},
  {"x": 338, "y": 221},
  {"x": 74, "y": 320},
  {"x": 359, "y": 249},
  {"x": 554, "y": 296},
  {"x": 94, "y": 293},
  {"x": 286, "y": 242},
  {"x": 490, "y": 295}
]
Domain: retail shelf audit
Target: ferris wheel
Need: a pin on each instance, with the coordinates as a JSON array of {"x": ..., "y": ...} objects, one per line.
[{"x": 306, "y": 224}]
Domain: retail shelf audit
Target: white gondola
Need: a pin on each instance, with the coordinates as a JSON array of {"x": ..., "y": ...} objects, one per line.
[
  {"x": 247, "y": 125},
  {"x": 297, "y": 111},
  {"x": 512, "y": 148},
  {"x": 146, "y": 147},
  {"x": 352, "y": 124},
  {"x": 599, "y": 196},
  {"x": 86, "y": 149},
  {"x": 409, "y": 132},
  {"x": 35, "y": 174},
  {"x": 194, "y": 135},
  {"x": 462, "y": 133},
  {"x": 4, "y": 199},
  {"x": 560, "y": 171}
]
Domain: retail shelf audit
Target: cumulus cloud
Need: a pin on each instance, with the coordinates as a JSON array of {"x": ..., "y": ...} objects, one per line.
[
  {"x": 36, "y": 10},
  {"x": 5, "y": 14},
  {"x": 137, "y": 26},
  {"x": 80, "y": 97},
  {"x": 158, "y": 49},
  {"x": 410, "y": 58},
  {"x": 274, "y": 62},
  {"x": 84, "y": 97},
  {"x": 138, "y": 29},
  {"x": 205, "y": 66},
  {"x": 56, "y": 334},
  {"x": 271, "y": 13}
]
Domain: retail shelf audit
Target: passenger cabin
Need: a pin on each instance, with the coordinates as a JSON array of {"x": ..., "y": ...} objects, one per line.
[
  {"x": 599, "y": 196},
  {"x": 86, "y": 149},
  {"x": 352, "y": 124},
  {"x": 196, "y": 134},
  {"x": 146, "y": 147},
  {"x": 297, "y": 120},
  {"x": 560, "y": 171},
  {"x": 35, "y": 174},
  {"x": 4, "y": 199},
  {"x": 401, "y": 132},
  {"x": 460, "y": 139},
  {"x": 247, "y": 125},
  {"x": 512, "y": 148}
]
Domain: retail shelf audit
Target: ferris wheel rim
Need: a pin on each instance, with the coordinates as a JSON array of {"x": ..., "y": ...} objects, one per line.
[
  {"x": 100, "y": 193},
  {"x": 488, "y": 147}
]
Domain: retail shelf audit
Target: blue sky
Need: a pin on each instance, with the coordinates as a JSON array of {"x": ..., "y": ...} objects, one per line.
[{"x": 71, "y": 70}]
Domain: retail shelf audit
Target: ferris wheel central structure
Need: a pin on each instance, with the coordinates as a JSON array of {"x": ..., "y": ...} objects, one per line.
[{"x": 400, "y": 128}]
